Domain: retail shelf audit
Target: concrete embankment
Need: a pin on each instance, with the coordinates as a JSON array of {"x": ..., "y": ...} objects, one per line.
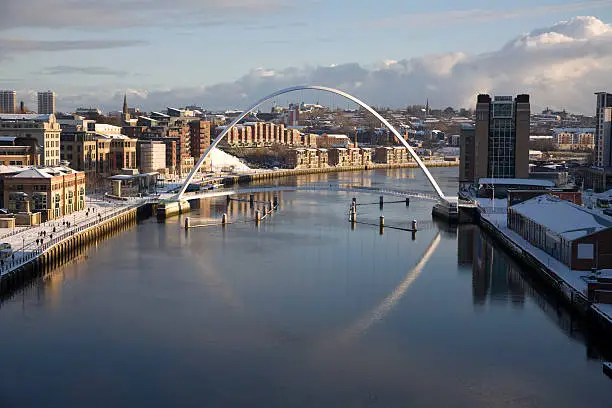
[
  {"x": 575, "y": 299},
  {"x": 65, "y": 247}
]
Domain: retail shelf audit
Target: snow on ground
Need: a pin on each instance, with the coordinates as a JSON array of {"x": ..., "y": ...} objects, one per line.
[
  {"x": 573, "y": 278},
  {"x": 221, "y": 160}
]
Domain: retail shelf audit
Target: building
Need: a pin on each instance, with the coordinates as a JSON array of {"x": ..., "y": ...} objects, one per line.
[
  {"x": 384, "y": 155},
  {"x": 199, "y": 131},
  {"x": 46, "y": 103},
  {"x": 152, "y": 156},
  {"x": 17, "y": 152},
  {"x": 467, "y": 154},
  {"x": 8, "y": 102},
  {"x": 307, "y": 158},
  {"x": 574, "y": 138},
  {"x": 339, "y": 157},
  {"x": 501, "y": 139},
  {"x": 52, "y": 191},
  {"x": 603, "y": 130},
  {"x": 40, "y": 130},
  {"x": 573, "y": 235}
]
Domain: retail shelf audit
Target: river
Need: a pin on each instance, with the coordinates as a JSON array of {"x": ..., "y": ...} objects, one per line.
[{"x": 300, "y": 311}]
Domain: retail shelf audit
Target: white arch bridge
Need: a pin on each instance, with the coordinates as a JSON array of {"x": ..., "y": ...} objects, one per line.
[
  {"x": 334, "y": 188},
  {"x": 439, "y": 194}
]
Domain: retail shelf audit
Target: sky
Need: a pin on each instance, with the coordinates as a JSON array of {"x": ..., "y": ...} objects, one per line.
[{"x": 228, "y": 53}]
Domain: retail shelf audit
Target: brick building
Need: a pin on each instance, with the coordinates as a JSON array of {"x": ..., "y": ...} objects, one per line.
[{"x": 577, "y": 237}]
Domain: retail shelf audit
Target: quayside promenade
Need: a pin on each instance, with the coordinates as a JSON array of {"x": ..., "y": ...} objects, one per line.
[
  {"x": 32, "y": 244},
  {"x": 570, "y": 285}
]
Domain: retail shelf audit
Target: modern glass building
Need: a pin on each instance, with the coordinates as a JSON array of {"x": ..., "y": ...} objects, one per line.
[
  {"x": 501, "y": 138},
  {"x": 603, "y": 130}
]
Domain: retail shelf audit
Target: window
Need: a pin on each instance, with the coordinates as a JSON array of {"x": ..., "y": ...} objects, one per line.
[{"x": 585, "y": 251}]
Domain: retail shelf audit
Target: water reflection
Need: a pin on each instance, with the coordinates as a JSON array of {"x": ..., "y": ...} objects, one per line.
[{"x": 497, "y": 279}]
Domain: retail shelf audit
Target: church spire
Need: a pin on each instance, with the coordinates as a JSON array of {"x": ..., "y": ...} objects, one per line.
[{"x": 125, "y": 106}]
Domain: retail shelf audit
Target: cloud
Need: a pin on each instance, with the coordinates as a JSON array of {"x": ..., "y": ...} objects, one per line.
[
  {"x": 17, "y": 45},
  {"x": 560, "y": 66},
  {"x": 71, "y": 70},
  {"x": 479, "y": 15},
  {"x": 91, "y": 14}
]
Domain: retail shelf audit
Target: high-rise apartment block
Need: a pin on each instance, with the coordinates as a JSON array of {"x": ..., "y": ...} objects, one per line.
[
  {"x": 46, "y": 103},
  {"x": 499, "y": 144},
  {"x": 8, "y": 102},
  {"x": 603, "y": 130}
]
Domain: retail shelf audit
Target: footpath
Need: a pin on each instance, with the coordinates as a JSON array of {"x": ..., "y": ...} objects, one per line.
[{"x": 29, "y": 242}]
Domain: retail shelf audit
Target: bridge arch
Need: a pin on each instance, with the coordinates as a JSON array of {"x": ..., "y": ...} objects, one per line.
[{"x": 263, "y": 100}]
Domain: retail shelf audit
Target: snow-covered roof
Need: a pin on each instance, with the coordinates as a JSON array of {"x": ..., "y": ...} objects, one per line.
[
  {"x": 111, "y": 135},
  {"x": 44, "y": 172},
  {"x": 562, "y": 217},
  {"x": 25, "y": 116},
  {"x": 517, "y": 182},
  {"x": 11, "y": 169}
]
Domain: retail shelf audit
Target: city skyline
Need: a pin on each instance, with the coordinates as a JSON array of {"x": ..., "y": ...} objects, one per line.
[{"x": 92, "y": 56}]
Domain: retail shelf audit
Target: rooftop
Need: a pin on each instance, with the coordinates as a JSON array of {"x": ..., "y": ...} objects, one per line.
[
  {"x": 516, "y": 182},
  {"x": 562, "y": 217},
  {"x": 25, "y": 116}
]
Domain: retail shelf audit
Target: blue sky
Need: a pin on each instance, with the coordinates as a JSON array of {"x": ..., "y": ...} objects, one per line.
[{"x": 162, "y": 45}]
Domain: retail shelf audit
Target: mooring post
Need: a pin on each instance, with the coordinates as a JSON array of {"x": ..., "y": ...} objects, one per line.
[
  {"x": 382, "y": 221},
  {"x": 229, "y": 199},
  {"x": 252, "y": 199},
  {"x": 275, "y": 201},
  {"x": 407, "y": 201},
  {"x": 257, "y": 217},
  {"x": 354, "y": 200},
  {"x": 224, "y": 219},
  {"x": 414, "y": 225},
  {"x": 381, "y": 202},
  {"x": 187, "y": 223}
]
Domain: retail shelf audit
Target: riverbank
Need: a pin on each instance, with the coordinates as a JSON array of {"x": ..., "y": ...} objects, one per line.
[
  {"x": 569, "y": 285},
  {"x": 38, "y": 248},
  {"x": 270, "y": 175}
]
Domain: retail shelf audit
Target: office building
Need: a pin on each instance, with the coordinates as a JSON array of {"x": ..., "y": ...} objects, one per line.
[
  {"x": 43, "y": 131},
  {"x": 603, "y": 130},
  {"x": 8, "y": 102},
  {"x": 500, "y": 148},
  {"x": 46, "y": 102}
]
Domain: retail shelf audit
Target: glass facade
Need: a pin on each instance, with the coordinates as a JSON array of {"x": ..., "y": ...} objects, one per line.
[{"x": 502, "y": 138}]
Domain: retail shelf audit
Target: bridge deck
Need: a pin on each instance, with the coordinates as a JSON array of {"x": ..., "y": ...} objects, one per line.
[{"x": 351, "y": 189}]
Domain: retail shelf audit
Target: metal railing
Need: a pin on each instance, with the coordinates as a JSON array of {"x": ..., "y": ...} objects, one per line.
[{"x": 42, "y": 246}]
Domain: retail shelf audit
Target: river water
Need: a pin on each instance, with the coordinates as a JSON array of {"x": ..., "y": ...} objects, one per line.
[{"x": 302, "y": 311}]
